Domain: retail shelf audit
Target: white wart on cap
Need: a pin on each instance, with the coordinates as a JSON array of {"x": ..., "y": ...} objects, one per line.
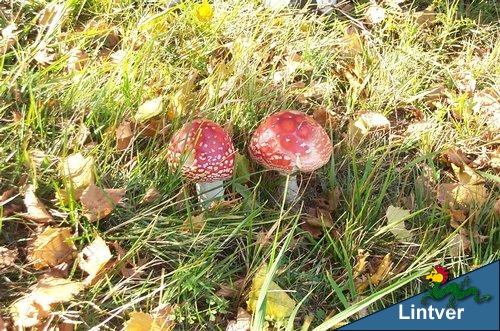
[{"x": 290, "y": 141}]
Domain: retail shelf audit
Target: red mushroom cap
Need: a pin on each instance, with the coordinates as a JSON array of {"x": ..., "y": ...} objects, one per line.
[
  {"x": 289, "y": 141},
  {"x": 208, "y": 150}
]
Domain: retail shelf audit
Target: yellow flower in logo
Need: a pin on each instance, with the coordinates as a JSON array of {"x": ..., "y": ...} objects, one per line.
[{"x": 204, "y": 11}]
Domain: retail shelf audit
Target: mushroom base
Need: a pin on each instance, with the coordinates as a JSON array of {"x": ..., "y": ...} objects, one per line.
[
  {"x": 292, "y": 188},
  {"x": 209, "y": 192}
]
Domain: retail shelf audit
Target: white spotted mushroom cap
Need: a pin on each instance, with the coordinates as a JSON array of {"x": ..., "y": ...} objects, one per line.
[
  {"x": 204, "y": 151},
  {"x": 290, "y": 141}
]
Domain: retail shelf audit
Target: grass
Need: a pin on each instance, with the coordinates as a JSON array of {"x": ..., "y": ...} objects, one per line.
[{"x": 228, "y": 70}]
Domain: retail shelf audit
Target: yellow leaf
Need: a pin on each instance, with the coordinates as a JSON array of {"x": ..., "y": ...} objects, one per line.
[
  {"x": 36, "y": 210},
  {"x": 279, "y": 304},
  {"x": 93, "y": 258},
  {"x": 194, "y": 223},
  {"x": 77, "y": 170},
  {"x": 98, "y": 203},
  {"x": 146, "y": 322},
  {"x": 383, "y": 270},
  {"x": 466, "y": 175},
  {"x": 395, "y": 222},
  {"x": 52, "y": 247},
  {"x": 204, "y": 11},
  {"x": 462, "y": 196},
  {"x": 36, "y": 305},
  {"x": 149, "y": 109}
]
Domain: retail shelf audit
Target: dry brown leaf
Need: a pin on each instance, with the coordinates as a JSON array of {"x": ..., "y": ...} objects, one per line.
[
  {"x": 36, "y": 210},
  {"x": 496, "y": 208},
  {"x": 93, "y": 258},
  {"x": 458, "y": 217},
  {"x": 455, "y": 156},
  {"x": 353, "y": 40},
  {"x": 7, "y": 257},
  {"x": 52, "y": 247},
  {"x": 383, "y": 270},
  {"x": 459, "y": 244},
  {"x": 124, "y": 135},
  {"x": 426, "y": 17},
  {"x": 375, "y": 14},
  {"x": 151, "y": 195},
  {"x": 194, "y": 223},
  {"x": 242, "y": 322},
  {"x": 3, "y": 324},
  {"x": 395, "y": 222},
  {"x": 52, "y": 14},
  {"x": 36, "y": 305},
  {"x": 78, "y": 173},
  {"x": 462, "y": 196},
  {"x": 487, "y": 106},
  {"x": 494, "y": 160},
  {"x": 466, "y": 175},
  {"x": 98, "y": 203},
  {"x": 365, "y": 124}
]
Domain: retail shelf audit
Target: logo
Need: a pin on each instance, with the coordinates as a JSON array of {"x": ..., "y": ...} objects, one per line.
[{"x": 439, "y": 276}]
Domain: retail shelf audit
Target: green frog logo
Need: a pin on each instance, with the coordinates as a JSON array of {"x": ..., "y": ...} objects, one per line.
[{"x": 438, "y": 276}]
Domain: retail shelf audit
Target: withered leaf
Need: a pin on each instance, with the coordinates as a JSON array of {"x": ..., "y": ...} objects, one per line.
[
  {"x": 461, "y": 196},
  {"x": 93, "y": 258},
  {"x": 395, "y": 222},
  {"x": 52, "y": 247},
  {"x": 375, "y": 14},
  {"x": 149, "y": 109},
  {"x": 36, "y": 305},
  {"x": 78, "y": 173},
  {"x": 7, "y": 257},
  {"x": 242, "y": 322},
  {"x": 36, "y": 210},
  {"x": 383, "y": 270},
  {"x": 140, "y": 321},
  {"x": 194, "y": 223},
  {"x": 124, "y": 135},
  {"x": 99, "y": 203},
  {"x": 151, "y": 195}
]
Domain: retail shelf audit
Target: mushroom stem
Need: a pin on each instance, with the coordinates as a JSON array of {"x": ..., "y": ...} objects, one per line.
[
  {"x": 209, "y": 191},
  {"x": 292, "y": 188}
]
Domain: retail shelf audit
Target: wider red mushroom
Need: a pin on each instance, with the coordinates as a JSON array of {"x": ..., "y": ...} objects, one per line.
[
  {"x": 205, "y": 153},
  {"x": 290, "y": 141}
]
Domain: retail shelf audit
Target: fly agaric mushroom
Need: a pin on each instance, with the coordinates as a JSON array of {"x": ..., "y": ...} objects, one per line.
[
  {"x": 205, "y": 153},
  {"x": 290, "y": 141}
]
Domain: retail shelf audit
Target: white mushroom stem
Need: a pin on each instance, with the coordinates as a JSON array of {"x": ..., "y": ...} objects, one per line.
[
  {"x": 209, "y": 191},
  {"x": 292, "y": 188}
]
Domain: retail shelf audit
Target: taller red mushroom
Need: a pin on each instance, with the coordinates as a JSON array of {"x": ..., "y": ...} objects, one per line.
[
  {"x": 290, "y": 141},
  {"x": 205, "y": 154}
]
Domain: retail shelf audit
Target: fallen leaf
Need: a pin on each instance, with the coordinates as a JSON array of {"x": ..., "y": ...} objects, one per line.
[
  {"x": 494, "y": 160},
  {"x": 279, "y": 304},
  {"x": 36, "y": 305},
  {"x": 461, "y": 196},
  {"x": 98, "y": 203},
  {"x": 354, "y": 42},
  {"x": 487, "y": 106},
  {"x": 458, "y": 217},
  {"x": 124, "y": 135},
  {"x": 181, "y": 99},
  {"x": 367, "y": 123},
  {"x": 78, "y": 173},
  {"x": 455, "y": 156},
  {"x": 93, "y": 258},
  {"x": 151, "y": 195},
  {"x": 3, "y": 324},
  {"x": 426, "y": 17},
  {"x": 459, "y": 244},
  {"x": 36, "y": 210},
  {"x": 149, "y": 109},
  {"x": 395, "y": 222},
  {"x": 44, "y": 55},
  {"x": 496, "y": 208},
  {"x": 52, "y": 247},
  {"x": 375, "y": 14},
  {"x": 194, "y": 223},
  {"x": 466, "y": 175},
  {"x": 383, "y": 270},
  {"x": 360, "y": 266},
  {"x": 7, "y": 257},
  {"x": 242, "y": 322},
  {"x": 9, "y": 36},
  {"x": 139, "y": 321}
]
